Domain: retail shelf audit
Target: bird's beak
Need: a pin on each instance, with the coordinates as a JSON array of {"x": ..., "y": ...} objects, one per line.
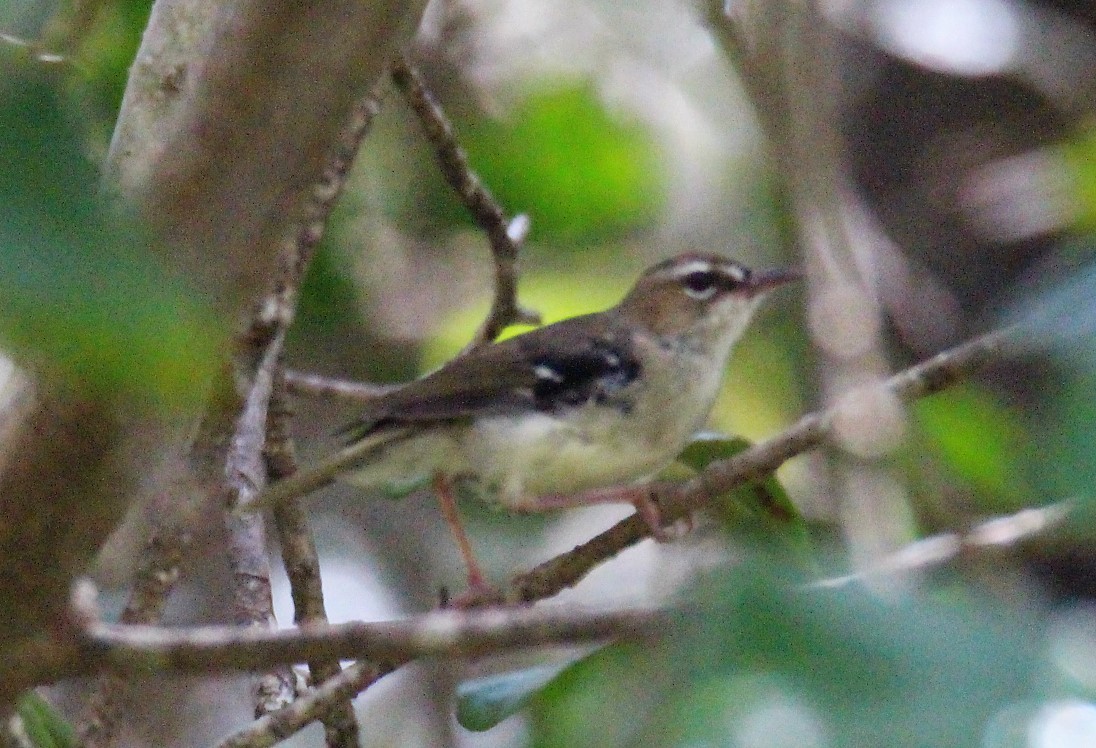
[{"x": 766, "y": 280}]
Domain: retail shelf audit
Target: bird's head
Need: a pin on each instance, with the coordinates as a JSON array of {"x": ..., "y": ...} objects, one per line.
[{"x": 705, "y": 299}]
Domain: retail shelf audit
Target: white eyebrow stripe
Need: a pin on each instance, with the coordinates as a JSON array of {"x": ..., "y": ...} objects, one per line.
[
  {"x": 694, "y": 266},
  {"x": 706, "y": 266}
]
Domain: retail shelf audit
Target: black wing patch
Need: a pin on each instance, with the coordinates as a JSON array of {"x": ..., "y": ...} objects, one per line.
[{"x": 598, "y": 373}]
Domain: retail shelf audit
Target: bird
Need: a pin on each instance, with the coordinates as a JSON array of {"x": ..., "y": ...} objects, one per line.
[{"x": 577, "y": 412}]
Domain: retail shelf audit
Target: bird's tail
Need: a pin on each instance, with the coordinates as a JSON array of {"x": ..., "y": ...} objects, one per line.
[{"x": 305, "y": 481}]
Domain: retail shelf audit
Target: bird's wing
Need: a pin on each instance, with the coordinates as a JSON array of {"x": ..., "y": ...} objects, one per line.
[{"x": 531, "y": 372}]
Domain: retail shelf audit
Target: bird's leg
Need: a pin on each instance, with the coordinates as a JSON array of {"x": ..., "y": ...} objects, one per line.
[
  {"x": 639, "y": 496},
  {"x": 443, "y": 487}
]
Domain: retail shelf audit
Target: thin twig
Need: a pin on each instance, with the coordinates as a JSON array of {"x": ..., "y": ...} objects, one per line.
[
  {"x": 505, "y": 237},
  {"x": 317, "y": 385},
  {"x": 944, "y": 548},
  {"x": 319, "y": 475},
  {"x": 302, "y": 563},
  {"x": 309, "y": 707},
  {"x": 300, "y": 243}
]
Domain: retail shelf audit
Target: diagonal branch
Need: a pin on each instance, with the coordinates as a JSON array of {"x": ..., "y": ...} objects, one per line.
[
  {"x": 505, "y": 237},
  {"x": 264, "y": 418},
  {"x": 314, "y": 705},
  {"x": 944, "y": 548}
]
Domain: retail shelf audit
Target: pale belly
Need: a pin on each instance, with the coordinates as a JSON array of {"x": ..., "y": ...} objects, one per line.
[
  {"x": 540, "y": 455},
  {"x": 513, "y": 460}
]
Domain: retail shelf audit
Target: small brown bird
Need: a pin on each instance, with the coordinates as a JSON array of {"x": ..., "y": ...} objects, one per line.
[{"x": 535, "y": 422}]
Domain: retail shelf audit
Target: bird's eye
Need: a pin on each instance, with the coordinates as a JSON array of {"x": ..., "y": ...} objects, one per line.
[{"x": 701, "y": 284}]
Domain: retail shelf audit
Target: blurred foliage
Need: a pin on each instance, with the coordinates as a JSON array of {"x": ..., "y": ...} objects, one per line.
[
  {"x": 561, "y": 156},
  {"x": 758, "y": 660},
  {"x": 84, "y": 297},
  {"x": 1064, "y": 457},
  {"x": 981, "y": 441},
  {"x": 764, "y": 388},
  {"x": 43, "y": 725},
  {"x": 326, "y": 299}
]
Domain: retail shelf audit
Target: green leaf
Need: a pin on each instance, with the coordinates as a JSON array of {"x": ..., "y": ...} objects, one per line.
[
  {"x": 601, "y": 700},
  {"x": 484, "y": 702},
  {"x": 44, "y": 726},
  {"x": 762, "y": 509},
  {"x": 327, "y": 298}
]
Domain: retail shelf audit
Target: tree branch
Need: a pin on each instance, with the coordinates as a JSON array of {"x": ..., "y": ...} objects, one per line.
[
  {"x": 317, "y": 385},
  {"x": 505, "y": 237},
  {"x": 245, "y": 471},
  {"x": 309, "y": 707},
  {"x": 444, "y": 633},
  {"x": 944, "y": 548},
  {"x": 302, "y": 565},
  {"x": 225, "y": 116}
]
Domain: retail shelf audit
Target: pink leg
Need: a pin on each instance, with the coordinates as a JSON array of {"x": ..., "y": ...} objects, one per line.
[
  {"x": 638, "y": 496},
  {"x": 444, "y": 489}
]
